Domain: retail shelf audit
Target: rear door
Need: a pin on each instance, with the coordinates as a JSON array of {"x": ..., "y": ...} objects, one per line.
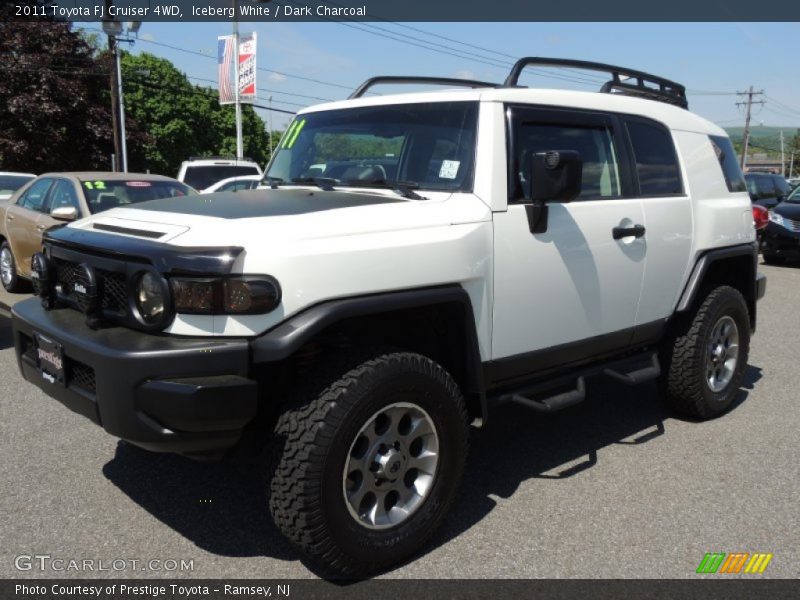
[
  {"x": 667, "y": 218},
  {"x": 573, "y": 291},
  {"x": 22, "y": 221}
]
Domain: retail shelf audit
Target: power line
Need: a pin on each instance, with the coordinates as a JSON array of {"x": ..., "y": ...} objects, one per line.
[{"x": 782, "y": 105}]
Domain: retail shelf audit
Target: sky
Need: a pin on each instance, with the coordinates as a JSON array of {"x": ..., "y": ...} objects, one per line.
[{"x": 713, "y": 60}]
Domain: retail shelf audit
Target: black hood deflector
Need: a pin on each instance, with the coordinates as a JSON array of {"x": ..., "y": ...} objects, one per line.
[{"x": 249, "y": 204}]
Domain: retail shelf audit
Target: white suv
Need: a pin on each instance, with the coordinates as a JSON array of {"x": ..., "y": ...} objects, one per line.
[
  {"x": 417, "y": 261},
  {"x": 202, "y": 173}
]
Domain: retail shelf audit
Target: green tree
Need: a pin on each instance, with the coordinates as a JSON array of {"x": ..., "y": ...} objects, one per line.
[
  {"x": 180, "y": 119},
  {"x": 54, "y": 106}
]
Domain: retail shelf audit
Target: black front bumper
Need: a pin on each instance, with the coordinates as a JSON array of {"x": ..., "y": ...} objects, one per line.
[
  {"x": 163, "y": 393},
  {"x": 776, "y": 239}
]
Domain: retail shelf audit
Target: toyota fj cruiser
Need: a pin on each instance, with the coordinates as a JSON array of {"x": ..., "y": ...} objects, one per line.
[{"x": 415, "y": 261}]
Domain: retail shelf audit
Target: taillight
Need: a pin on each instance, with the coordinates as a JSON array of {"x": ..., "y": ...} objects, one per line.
[{"x": 760, "y": 216}]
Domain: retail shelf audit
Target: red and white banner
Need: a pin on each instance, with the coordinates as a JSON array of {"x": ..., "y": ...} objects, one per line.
[
  {"x": 224, "y": 61},
  {"x": 247, "y": 68}
]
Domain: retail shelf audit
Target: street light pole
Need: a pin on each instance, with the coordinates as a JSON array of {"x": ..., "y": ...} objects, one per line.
[
  {"x": 269, "y": 120},
  {"x": 239, "y": 144},
  {"x": 123, "y": 146}
]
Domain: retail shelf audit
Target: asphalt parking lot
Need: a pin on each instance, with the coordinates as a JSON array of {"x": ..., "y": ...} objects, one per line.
[{"x": 615, "y": 487}]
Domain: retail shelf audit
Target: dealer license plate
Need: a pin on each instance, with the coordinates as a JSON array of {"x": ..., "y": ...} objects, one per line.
[{"x": 50, "y": 358}]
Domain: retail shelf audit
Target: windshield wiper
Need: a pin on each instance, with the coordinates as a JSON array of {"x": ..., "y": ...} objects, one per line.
[
  {"x": 404, "y": 188},
  {"x": 325, "y": 183}
]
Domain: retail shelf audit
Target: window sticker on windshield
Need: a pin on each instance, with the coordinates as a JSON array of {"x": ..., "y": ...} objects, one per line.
[
  {"x": 137, "y": 183},
  {"x": 291, "y": 138},
  {"x": 94, "y": 185},
  {"x": 449, "y": 169}
]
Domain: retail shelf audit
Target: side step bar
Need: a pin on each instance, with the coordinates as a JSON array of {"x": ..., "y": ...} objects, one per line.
[
  {"x": 637, "y": 376},
  {"x": 540, "y": 397},
  {"x": 555, "y": 402}
]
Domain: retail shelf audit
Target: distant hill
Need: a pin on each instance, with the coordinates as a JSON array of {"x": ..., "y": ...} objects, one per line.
[{"x": 764, "y": 139}]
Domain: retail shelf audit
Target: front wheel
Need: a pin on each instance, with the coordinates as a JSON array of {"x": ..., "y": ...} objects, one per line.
[
  {"x": 706, "y": 358},
  {"x": 368, "y": 462},
  {"x": 8, "y": 268}
]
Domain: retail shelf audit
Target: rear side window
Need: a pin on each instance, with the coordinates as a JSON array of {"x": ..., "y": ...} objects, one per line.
[
  {"x": 726, "y": 155},
  {"x": 782, "y": 187},
  {"x": 656, "y": 160},
  {"x": 760, "y": 186}
]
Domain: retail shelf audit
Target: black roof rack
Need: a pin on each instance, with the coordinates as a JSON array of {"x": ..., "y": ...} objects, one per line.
[
  {"x": 362, "y": 89},
  {"x": 635, "y": 84}
]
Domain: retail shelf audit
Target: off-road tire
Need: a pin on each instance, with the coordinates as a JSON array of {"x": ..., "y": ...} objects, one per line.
[
  {"x": 13, "y": 284},
  {"x": 313, "y": 438},
  {"x": 684, "y": 356}
]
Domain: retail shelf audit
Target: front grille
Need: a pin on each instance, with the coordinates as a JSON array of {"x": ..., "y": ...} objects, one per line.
[
  {"x": 82, "y": 376},
  {"x": 111, "y": 286},
  {"x": 113, "y": 296},
  {"x": 792, "y": 224}
]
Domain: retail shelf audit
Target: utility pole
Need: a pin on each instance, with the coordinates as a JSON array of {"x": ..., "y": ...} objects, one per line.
[
  {"x": 783, "y": 158},
  {"x": 749, "y": 105}
]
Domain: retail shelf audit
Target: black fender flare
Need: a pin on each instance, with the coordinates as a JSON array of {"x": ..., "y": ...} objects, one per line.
[
  {"x": 704, "y": 263},
  {"x": 283, "y": 340}
]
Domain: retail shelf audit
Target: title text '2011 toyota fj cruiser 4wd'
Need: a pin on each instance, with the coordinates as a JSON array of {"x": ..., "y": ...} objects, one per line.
[{"x": 415, "y": 260}]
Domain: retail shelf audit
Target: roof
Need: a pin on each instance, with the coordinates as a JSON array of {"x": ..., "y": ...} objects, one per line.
[
  {"x": 109, "y": 175},
  {"x": 671, "y": 116}
]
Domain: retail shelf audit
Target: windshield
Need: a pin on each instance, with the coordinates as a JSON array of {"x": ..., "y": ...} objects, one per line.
[
  {"x": 11, "y": 183},
  {"x": 103, "y": 195},
  {"x": 430, "y": 145},
  {"x": 202, "y": 177}
]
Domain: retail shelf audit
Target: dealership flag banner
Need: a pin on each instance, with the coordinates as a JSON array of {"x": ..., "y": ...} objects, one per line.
[
  {"x": 247, "y": 68},
  {"x": 224, "y": 60}
]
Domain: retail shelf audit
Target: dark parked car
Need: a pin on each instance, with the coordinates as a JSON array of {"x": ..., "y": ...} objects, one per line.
[
  {"x": 781, "y": 238},
  {"x": 767, "y": 189}
]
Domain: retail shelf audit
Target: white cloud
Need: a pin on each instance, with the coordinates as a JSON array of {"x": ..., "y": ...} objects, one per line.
[
  {"x": 276, "y": 77},
  {"x": 465, "y": 74},
  {"x": 148, "y": 37}
]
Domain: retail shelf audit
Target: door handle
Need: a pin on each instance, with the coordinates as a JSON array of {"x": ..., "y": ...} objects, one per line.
[
  {"x": 10, "y": 217},
  {"x": 40, "y": 228},
  {"x": 621, "y": 232}
]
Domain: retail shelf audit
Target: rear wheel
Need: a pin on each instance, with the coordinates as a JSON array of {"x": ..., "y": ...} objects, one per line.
[
  {"x": 8, "y": 268},
  {"x": 367, "y": 464},
  {"x": 706, "y": 358}
]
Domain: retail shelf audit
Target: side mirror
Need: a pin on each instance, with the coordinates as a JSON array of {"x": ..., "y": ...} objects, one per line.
[
  {"x": 64, "y": 213},
  {"x": 753, "y": 197},
  {"x": 555, "y": 176}
]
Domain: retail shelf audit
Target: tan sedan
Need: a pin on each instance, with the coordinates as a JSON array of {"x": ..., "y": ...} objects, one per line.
[{"x": 55, "y": 198}]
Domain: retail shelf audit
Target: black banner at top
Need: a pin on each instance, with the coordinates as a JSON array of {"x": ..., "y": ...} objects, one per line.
[{"x": 403, "y": 10}]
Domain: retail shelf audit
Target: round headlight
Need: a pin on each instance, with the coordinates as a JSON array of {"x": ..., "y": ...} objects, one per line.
[{"x": 151, "y": 299}]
